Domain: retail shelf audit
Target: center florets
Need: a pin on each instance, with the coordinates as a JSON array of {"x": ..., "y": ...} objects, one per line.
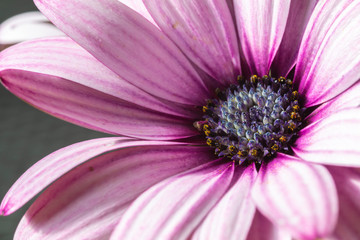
[{"x": 253, "y": 120}]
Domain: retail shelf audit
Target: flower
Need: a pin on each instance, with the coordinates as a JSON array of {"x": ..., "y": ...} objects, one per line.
[
  {"x": 145, "y": 73},
  {"x": 26, "y": 26}
]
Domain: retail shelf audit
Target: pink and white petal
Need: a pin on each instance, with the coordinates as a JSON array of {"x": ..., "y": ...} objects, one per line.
[
  {"x": 88, "y": 201},
  {"x": 347, "y": 181},
  {"x": 26, "y": 26},
  {"x": 285, "y": 59},
  {"x": 333, "y": 140},
  {"x": 62, "y": 57},
  {"x": 93, "y": 109},
  {"x": 53, "y": 166},
  {"x": 204, "y": 31},
  {"x": 261, "y": 25},
  {"x": 329, "y": 55},
  {"x": 297, "y": 196},
  {"x": 130, "y": 46},
  {"x": 348, "y": 99},
  {"x": 263, "y": 229},
  {"x": 173, "y": 208},
  {"x": 232, "y": 216},
  {"x": 139, "y": 7}
]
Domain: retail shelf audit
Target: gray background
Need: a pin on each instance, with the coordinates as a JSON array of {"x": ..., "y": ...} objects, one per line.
[{"x": 26, "y": 134}]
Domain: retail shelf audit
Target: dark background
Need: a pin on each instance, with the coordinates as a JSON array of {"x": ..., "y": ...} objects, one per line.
[{"x": 27, "y": 134}]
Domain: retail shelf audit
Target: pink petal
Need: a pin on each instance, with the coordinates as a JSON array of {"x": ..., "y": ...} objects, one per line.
[
  {"x": 285, "y": 59},
  {"x": 63, "y": 58},
  {"x": 53, "y": 166},
  {"x": 329, "y": 55},
  {"x": 347, "y": 181},
  {"x": 348, "y": 99},
  {"x": 139, "y": 7},
  {"x": 333, "y": 140},
  {"x": 297, "y": 196},
  {"x": 26, "y": 26},
  {"x": 261, "y": 25},
  {"x": 88, "y": 201},
  {"x": 93, "y": 109},
  {"x": 263, "y": 229},
  {"x": 232, "y": 216},
  {"x": 204, "y": 31},
  {"x": 130, "y": 46},
  {"x": 173, "y": 208}
]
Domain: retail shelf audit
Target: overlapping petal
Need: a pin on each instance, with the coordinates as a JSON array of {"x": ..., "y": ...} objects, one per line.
[
  {"x": 204, "y": 31},
  {"x": 297, "y": 196},
  {"x": 139, "y": 7},
  {"x": 348, "y": 185},
  {"x": 26, "y": 26},
  {"x": 130, "y": 46},
  {"x": 63, "y": 58},
  {"x": 299, "y": 14},
  {"x": 89, "y": 200},
  {"x": 93, "y": 109},
  {"x": 232, "y": 216},
  {"x": 173, "y": 208},
  {"x": 329, "y": 55},
  {"x": 261, "y": 25},
  {"x": 348, "y": 99},
  {"x": 50, "y": 168},
  {"x": 333, "y": 140}
]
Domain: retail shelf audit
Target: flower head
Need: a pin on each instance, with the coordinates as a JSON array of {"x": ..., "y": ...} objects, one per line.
[{"x": 164, "y": 75}]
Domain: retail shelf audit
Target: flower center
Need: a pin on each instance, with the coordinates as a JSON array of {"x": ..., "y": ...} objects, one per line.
[{"x": 252, "y": 121}]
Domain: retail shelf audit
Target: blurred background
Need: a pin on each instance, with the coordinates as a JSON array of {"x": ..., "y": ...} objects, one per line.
[{"x": 27, "y": 134}]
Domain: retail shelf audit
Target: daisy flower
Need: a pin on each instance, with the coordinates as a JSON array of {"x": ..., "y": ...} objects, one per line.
[{"x": 234, "y": 120}]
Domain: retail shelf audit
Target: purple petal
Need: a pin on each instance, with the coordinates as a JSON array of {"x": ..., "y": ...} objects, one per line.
[
  {"x": 26, "y": 26},
  {"x": 297, "y": 196},
  {"x": 300, "y": 12},
  {"x": 232, "y": 216},
  {"x": 53, "y": 166},
  {"x": 333, "y": 140},
  {"x": 204, "y": 31},
  {"x": 261, "y": 25},
  {"x": 173, "y": 208},
  {"x": 348, "y": 99},
  {"x": 93, "y": 109},
  {"x": 347, "y": 181},
  {"x": 130, "y": 46},
  {"x": 88, "y": 201},
  {"x": 329, "y": 55},
  {"x": 63, "y": 58},
  {"x": 263, "y": 229}
]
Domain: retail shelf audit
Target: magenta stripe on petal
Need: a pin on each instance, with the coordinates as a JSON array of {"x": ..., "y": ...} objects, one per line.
[
  {"x": 93, "y": 109},
  {"x": 333, "y": 140},
  {"x": 88, "y": 201},
  {"x": 285, "y": 59},
  {"x": 261, "y": 25},
  {"x": 173, "y": 208},
  {"x": 232, "y": 216},
  {"x": 130, "y": 46},
  {"x": 297, "y": 196},
  {"x": 62, "y": 57},
  {"x": 329, "y": 56},
  {"x": 204, "y": 31},
  {"x": 263, "y": 229}
]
